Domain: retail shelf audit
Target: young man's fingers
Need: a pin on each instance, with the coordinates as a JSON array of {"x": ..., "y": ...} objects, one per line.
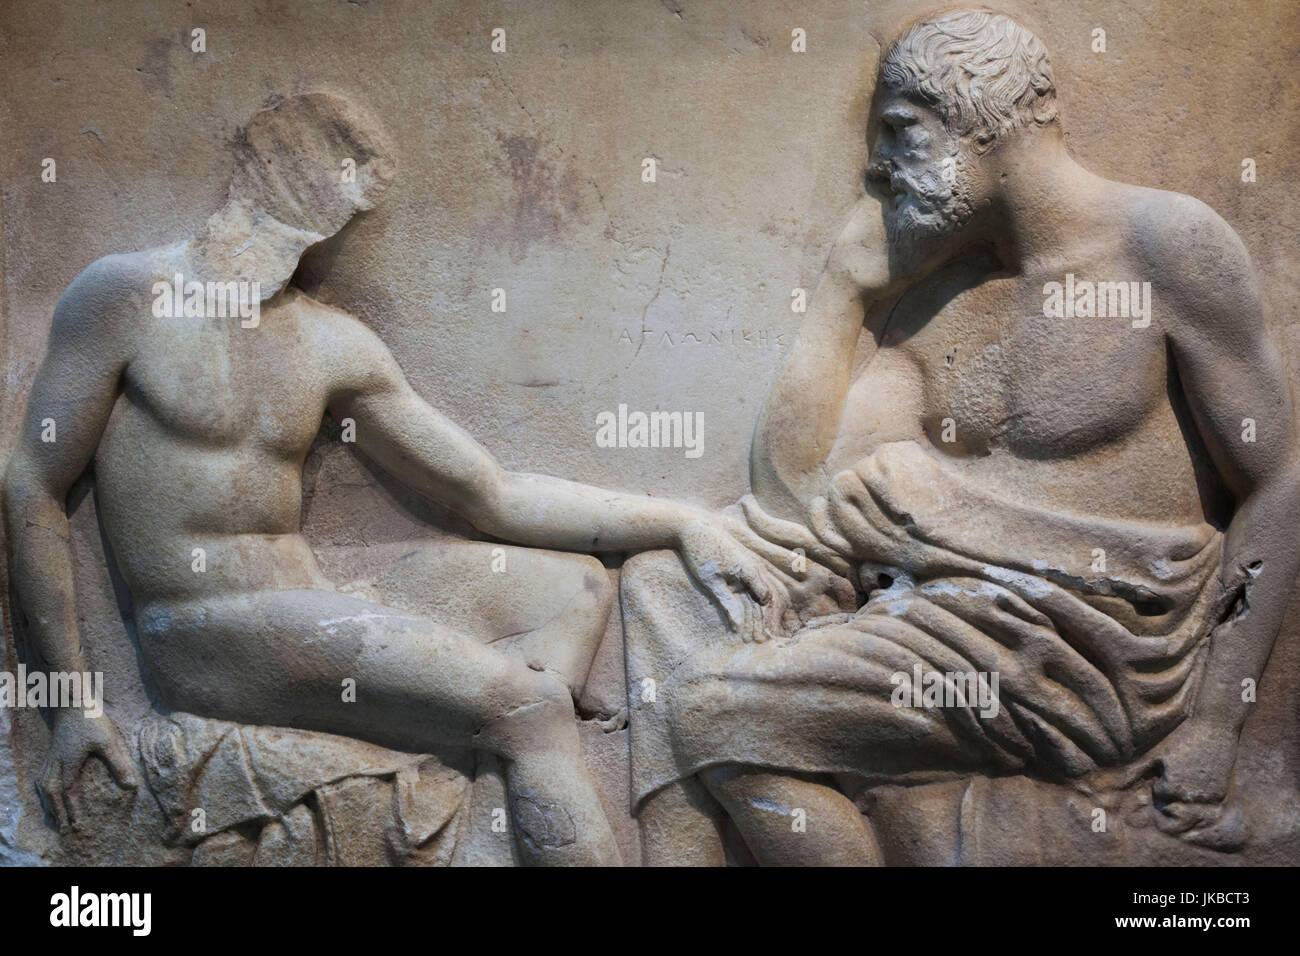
[
  {"x": 785, "y": 533},
  {"x": 756, "y": 583},
  {"x": 823, "y": 514},
  {"x": 781, "y": 558},
  {"x": 51, "y": 792},
  {"x": 1181, "y": 817},
  {"x": 756, "y": 623},
  {"x": 120, "y": 766},
  {"x": 62, "y": 815},
  {"x": 74, "y": 807},
  {"x": 748, "y": 576},
  {"x": 767, "y": 534},
  {"x": 730, "y": 604}
]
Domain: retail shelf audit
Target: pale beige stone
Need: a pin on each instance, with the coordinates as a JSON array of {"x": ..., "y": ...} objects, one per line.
[{"x": 931, "y": 492}]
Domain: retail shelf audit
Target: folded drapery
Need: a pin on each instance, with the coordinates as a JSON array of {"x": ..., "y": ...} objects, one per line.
[
  {"x": 276, "y": 796},
  {"x": 1090, "y": 632}
]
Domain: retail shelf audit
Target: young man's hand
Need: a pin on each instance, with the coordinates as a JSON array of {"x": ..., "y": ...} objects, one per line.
[
  {"x": 738, "y": 580},
  {"x": 765, "y": 585},
  {"x": 77, "y": 738}
]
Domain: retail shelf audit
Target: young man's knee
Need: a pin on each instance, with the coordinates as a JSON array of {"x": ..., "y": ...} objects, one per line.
[
  {"x": 537, "y": 714},
  {"x": 646, "y": 576},
  {"x": 595, "y": 595}
]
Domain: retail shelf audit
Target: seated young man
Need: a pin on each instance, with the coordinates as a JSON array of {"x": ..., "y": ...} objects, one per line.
[{"x": 198, "y": 426}]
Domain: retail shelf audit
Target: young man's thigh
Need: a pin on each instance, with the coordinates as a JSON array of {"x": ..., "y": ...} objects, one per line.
[{"x": 319, "y": 660}]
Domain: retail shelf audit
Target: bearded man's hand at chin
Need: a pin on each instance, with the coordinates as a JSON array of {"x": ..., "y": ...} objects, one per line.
[{"x": 876, "y": 259}]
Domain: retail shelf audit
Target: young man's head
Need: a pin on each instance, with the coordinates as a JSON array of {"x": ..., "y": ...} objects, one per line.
[
  {"x": 312, "y": 161},
  {"x": 953, "y": 87}
]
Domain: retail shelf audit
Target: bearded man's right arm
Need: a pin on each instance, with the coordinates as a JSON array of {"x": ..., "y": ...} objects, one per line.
[{"x": 801, "y": 416}]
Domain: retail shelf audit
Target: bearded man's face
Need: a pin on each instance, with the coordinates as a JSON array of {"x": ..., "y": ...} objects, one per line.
[{"x": 929, "y": 175}]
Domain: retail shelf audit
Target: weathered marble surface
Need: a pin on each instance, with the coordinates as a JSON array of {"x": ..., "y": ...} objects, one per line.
[{"x": 522, "y": 170}]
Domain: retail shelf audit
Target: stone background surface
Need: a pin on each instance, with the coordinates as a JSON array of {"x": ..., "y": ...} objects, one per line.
[{"x": 522, "y": 171}]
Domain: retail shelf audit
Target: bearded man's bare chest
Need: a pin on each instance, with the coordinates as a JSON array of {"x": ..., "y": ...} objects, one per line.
[{"x": 990, "y": 369}]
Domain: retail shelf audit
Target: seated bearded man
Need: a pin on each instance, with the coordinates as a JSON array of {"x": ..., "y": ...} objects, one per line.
[{"x": 1063, "y": 509}]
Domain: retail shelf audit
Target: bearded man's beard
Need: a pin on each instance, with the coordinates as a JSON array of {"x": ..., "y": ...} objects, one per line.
[{"x": 926, "y": 211}]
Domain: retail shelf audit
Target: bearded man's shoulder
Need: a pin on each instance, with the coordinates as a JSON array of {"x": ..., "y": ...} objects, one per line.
[
  {"x": 1178, "y": 234},
  {"x": 1189, "y": 253}
]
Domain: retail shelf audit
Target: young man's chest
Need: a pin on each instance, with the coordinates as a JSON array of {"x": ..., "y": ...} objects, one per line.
[{"x": 213, "y": 382}]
